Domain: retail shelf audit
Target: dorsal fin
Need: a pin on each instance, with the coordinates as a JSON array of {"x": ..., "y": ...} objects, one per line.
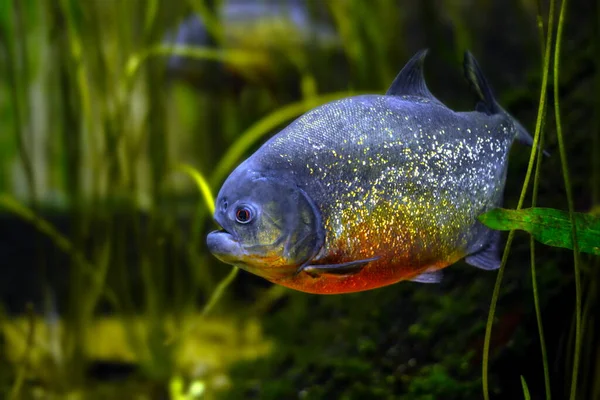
[
  {"x": 481, "y": 87},
  {"x": 411, "y": 81}
]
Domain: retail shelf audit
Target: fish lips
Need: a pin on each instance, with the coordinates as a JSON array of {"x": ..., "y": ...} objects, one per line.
[{"x": 225, "y": 247}]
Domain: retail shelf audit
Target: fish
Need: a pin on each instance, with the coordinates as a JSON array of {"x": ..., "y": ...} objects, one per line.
[
  {"x": 370, "y": 190},
  {"x": 267, "y": 29}
]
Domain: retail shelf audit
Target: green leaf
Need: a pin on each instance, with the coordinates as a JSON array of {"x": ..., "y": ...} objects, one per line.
[{"x": 548, "y": 226}]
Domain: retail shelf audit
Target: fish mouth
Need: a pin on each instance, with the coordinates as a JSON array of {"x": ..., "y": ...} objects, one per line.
[
  {"x": 224, "y": 246},
  {"x": 261, "y": 260}
]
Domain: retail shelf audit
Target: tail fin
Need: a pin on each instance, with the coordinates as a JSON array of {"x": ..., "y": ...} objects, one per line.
[{"x": 487, "y": 102}]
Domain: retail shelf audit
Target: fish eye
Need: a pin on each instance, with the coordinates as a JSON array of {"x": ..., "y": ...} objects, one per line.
[{"x": 243, "y": 215}]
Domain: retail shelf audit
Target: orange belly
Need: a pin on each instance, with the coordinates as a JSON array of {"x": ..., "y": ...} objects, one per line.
[
  {"x": 376, "y": 274},
  {"x": 406, "y": 246}
]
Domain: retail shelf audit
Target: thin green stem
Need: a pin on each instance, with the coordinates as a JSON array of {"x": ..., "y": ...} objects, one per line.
[
  {"x": 538, "y": 312},
  {"x": 490, "y": 320},
  {"x": 536, "y": 183},
  {"x": 565, "y": 171},
  {"x": 587, "y": 328},
  {"x": 81, "y": 72},
  {"x": 498, "y": 284},
  {"x": 219, "y": 290},
  {"x": 212, "y": 301},
  {"x": 17, "y": 56}
]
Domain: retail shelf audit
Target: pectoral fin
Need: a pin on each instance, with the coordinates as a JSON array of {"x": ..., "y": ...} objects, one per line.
[
  {"x": 489, "y": 255},
  {"x": 342, "y": 269}
]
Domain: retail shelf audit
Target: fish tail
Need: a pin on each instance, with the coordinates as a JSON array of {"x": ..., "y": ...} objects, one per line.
[{"x": 487, "y": 102}]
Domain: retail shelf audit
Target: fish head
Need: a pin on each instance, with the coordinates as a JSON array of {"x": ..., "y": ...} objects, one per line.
[{"x": 270, "y": 226}]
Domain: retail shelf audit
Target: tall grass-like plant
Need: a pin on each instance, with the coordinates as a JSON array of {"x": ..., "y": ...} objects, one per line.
[
  {"x": 567, "y": 180},
  {"x": 532, "y": 157},
  {"x": 591, "y": 365},
  {"x": 106, "y": 80},
  {"x": 578, "y": 328},
  {"x": 544, "y": 42}
]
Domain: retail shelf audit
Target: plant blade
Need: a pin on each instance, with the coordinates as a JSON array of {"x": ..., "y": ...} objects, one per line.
[{"x": 526, "y": 394}]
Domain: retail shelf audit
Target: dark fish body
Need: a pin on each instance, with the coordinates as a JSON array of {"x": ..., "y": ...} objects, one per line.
[
  {"x": 265, "y": 28},
  {"x": 395, "y": 183}
]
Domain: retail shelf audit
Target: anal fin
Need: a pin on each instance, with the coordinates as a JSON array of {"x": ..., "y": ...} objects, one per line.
[{"x": 428, "y": 277}]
